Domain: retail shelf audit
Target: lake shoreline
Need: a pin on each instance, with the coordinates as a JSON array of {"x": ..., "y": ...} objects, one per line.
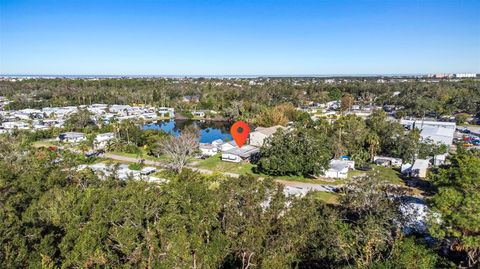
[{"x": 210, "y": 130}]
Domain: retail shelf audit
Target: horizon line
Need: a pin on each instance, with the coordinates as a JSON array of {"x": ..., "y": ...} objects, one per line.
[{"x": 228, "y": 75}]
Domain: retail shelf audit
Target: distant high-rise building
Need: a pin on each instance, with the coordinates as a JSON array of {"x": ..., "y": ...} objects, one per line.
[{"x": 466, "y": 75}]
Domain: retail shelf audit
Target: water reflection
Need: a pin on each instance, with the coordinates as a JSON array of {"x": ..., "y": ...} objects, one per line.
[{"x": 209, "y": 130}]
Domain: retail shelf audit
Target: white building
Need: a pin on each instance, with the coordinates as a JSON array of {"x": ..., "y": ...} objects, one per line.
[
  {"x": 419, "y": 168},
  {"x": 439, "y": 159},
  {"x": 438, "y": 135},
  {"x": 166, "y": 112},
  {"x": 217, "y": 143},
  {"x": 420, "y": 124},
  {"x": 387, "y": 161},
  {"x": 237, "y": 155},
  {"x": 148, "y": 115},
  {"x": 122, "y": 172},
  {"x": 258, "y": 136},
  {"x": 200, "y": 114},
  {"x": 119, "y": 109},
  {"x": 228, "y": 146},
  {"x": 207, "y": 149},
  {"x": 437, "y": 132},
  {"x": 339, "y": 168},
  {"x": 466, "y": 75},
  {"x": 11, "y": 125},
  {"x": 71, "y": 137},
  {"x": 101, "y": 140}
]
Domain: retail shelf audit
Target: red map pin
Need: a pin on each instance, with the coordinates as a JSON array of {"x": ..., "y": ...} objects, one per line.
[{"x": 240, "y": 132}]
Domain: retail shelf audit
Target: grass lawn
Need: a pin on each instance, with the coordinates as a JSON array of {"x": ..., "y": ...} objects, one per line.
[
  {"x": 389, "y": 174},
  {"x": 45, "y": 143},
  {"x": 326, "y": 197},
  {"x": 143, "y": 155},
  {"x": 214, "y": 163},
  {"x": 386, "y": 173}
]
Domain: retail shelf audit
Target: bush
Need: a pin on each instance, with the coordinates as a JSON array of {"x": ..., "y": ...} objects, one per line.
[{"x": 135, "y": 166}]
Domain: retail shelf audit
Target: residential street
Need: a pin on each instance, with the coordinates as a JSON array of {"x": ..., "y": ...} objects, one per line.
[{"x": 293, "y": 184}]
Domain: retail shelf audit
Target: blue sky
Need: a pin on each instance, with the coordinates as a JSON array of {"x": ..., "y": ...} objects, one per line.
[{"x": 275, "y": 37}]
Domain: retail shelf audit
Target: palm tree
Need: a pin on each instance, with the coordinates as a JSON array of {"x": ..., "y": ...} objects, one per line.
[
  {"x": 84, "y": 146},
  {"x": 373, "y": 142}
]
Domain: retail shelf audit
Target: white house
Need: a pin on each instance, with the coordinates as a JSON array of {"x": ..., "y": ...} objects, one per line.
[
  {"x": 10, "y": 125},
  {"x": 406, "y": 168},
  {"x": 439, "y": 159},
  {"x": 71, "y": 137},
  {"x": 258, "y": 136},
  {"x": 101, "y": 140},
  {"x": 228, "y": 146},
  {"x": 236, "y": 155},
  {"x": 200, "y": 114},
  {"x": 387, "y": 161},
  {"x": 39, "y": 126},
  {"x": 166, "y": 112},
  {"x": 148, "y": 115},
  {"x": 208, "y": 149},
  {"x": 339, "y": 168},
  {"x": 217, "y": 143},
  {"x": 119, "y": 109},
  {"x": 122, "y": 172},
  {"x": 419, "y": 168}
]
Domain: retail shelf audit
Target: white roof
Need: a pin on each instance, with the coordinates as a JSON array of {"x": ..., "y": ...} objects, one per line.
[
  {"x": 423, "y": 123},
  {"x": 73, "y": 134},
  {"x": 232, "y": 143},
  {"x": 439, "y": 135},
  {"x": 244, "y": 151},
  {"x": 420, "y": 164},
  {"x": 206, "y": 146},
  {"x": 339, "y": 165},
  {"x": 268, "y": 131},
  {"x": 217, "y": 142}
]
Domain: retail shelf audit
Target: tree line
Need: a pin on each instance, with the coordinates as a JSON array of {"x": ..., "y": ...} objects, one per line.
[{"x": 237, "y": 97}]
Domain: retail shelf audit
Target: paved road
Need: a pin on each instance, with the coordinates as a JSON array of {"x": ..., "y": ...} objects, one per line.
[{"x": 293, "y": 184}]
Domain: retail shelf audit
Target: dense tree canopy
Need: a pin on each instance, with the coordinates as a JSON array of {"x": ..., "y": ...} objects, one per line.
[
  {"x": 55, "y": 216},
  {"x": 237, "y": 97},
  {"x": 297, "y": 152}
]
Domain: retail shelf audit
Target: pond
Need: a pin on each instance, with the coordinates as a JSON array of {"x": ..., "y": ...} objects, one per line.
[{"x": 209, "y": 130}]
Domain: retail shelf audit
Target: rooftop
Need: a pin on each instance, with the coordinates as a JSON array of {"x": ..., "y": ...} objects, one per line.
[
  {"x": 244, "y": 152},
  {"x": 269, "y": 130}
]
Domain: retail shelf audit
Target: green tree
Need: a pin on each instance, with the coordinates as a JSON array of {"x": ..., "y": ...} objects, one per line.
[
  {"x": 335, "y": 94},
  {"x": 349, "y": 135},
  {"x": 455, "y": 206},
  {"x": 369, "y": 231},
  {"x": 299, "y": 152},
  {"x": 271, "y": 117},
  {"x": 461, "y": 118},
  {"x": 346, "y": 102},
  {"x": 79, "y": 121},
  {"x": 409, "y": 253}
]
